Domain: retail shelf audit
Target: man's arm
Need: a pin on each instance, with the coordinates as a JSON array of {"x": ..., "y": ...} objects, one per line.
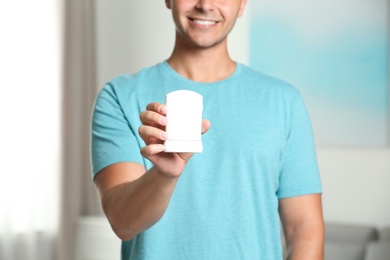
[
  {"x": 132, "y": 198},
  {"x": 303, "y": 225}
]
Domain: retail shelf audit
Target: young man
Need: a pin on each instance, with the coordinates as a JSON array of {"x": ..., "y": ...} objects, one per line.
[{"x": 258, "y": 165}]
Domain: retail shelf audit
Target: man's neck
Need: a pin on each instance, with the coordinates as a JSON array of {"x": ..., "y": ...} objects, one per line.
[{"x": 202, "y": 65}]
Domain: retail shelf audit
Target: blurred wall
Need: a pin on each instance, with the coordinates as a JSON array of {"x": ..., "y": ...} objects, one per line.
[
  {"x": 356, "y": 180},
  {"x": 334, "y": 52},
  {"x": 356, "y": 184}
]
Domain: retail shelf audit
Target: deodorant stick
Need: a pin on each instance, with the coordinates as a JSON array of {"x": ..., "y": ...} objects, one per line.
[{"x": 184, "y": 127}]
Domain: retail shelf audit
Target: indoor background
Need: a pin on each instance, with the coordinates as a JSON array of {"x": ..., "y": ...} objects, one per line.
[{"x": 55, "y": 55}]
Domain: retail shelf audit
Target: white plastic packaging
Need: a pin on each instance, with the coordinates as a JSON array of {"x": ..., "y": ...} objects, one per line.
[{"x": 184, "y": 127}]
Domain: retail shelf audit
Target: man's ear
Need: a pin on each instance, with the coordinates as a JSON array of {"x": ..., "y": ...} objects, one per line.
[
  {"x": 242, "y": 7},
  {"x": 168, "y": 4}
]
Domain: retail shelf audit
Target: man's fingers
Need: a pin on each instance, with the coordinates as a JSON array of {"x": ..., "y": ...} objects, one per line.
[
  {"x": 157, "y": 107},
  {"x": 205, "y": 125},
  {"x": 149, "y": 133},
  {"x": 150, "y": 150},
  {"x": 153, "y": 119}
]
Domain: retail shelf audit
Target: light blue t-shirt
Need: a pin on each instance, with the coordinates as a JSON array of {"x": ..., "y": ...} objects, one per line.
[{"x": 258, "y": 150}]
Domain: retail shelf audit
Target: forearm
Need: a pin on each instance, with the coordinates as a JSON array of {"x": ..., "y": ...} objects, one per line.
[
  {"x": 303, "y": 226},
  {"x": 306, "y": 242},
  {"x": 133, "y": 207}
]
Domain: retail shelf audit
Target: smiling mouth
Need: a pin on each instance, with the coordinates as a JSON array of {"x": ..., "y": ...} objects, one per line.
[{"x": 203, "y": 22}]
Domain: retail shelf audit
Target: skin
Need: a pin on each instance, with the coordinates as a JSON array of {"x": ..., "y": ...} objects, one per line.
[{"x": 134, "y": 199}]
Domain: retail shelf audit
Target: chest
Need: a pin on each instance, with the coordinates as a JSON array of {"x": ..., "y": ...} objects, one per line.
[{"x": 246, "y": 124}]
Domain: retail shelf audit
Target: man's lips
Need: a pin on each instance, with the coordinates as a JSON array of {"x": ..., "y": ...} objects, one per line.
[{"x": 203, "y": 22}]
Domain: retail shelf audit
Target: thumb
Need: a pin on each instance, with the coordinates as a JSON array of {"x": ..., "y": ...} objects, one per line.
[{"x": 205, "y": 125}]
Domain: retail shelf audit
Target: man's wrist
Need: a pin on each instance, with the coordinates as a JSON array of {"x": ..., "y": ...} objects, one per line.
[{"x": 163, "y": 176}]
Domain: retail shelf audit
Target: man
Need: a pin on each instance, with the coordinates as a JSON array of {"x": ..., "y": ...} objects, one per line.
[{"x": 258, "y": 161}]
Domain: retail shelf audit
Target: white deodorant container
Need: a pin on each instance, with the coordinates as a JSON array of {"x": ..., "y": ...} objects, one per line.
[{"x": 184, "y": 127}]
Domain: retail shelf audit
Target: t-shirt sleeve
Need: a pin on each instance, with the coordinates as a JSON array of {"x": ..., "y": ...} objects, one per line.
[
  {"x": 113, "y": 138},
  {"x": 299, "y": 174}
]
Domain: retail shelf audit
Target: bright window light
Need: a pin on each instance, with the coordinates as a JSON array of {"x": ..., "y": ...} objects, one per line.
[{"x": 30, "y": 109}]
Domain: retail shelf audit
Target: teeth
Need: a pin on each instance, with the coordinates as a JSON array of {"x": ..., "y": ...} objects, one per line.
[{"x": 203, "y": 22}]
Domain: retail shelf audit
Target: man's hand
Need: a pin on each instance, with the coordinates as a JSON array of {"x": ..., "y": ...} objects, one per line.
[{"x": 153, "y": 133}]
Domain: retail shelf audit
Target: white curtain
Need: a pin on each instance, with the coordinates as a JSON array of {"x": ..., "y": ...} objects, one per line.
[
  {"x": 47, "y": 92},
  {"x": 79, "y": 197},
  {"x": 30, "y": 80}
]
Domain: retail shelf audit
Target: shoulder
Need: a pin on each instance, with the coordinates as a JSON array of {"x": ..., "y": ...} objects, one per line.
[
  {"x": 125, "y": 80},
  {"x": 130, "y": 84}
]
